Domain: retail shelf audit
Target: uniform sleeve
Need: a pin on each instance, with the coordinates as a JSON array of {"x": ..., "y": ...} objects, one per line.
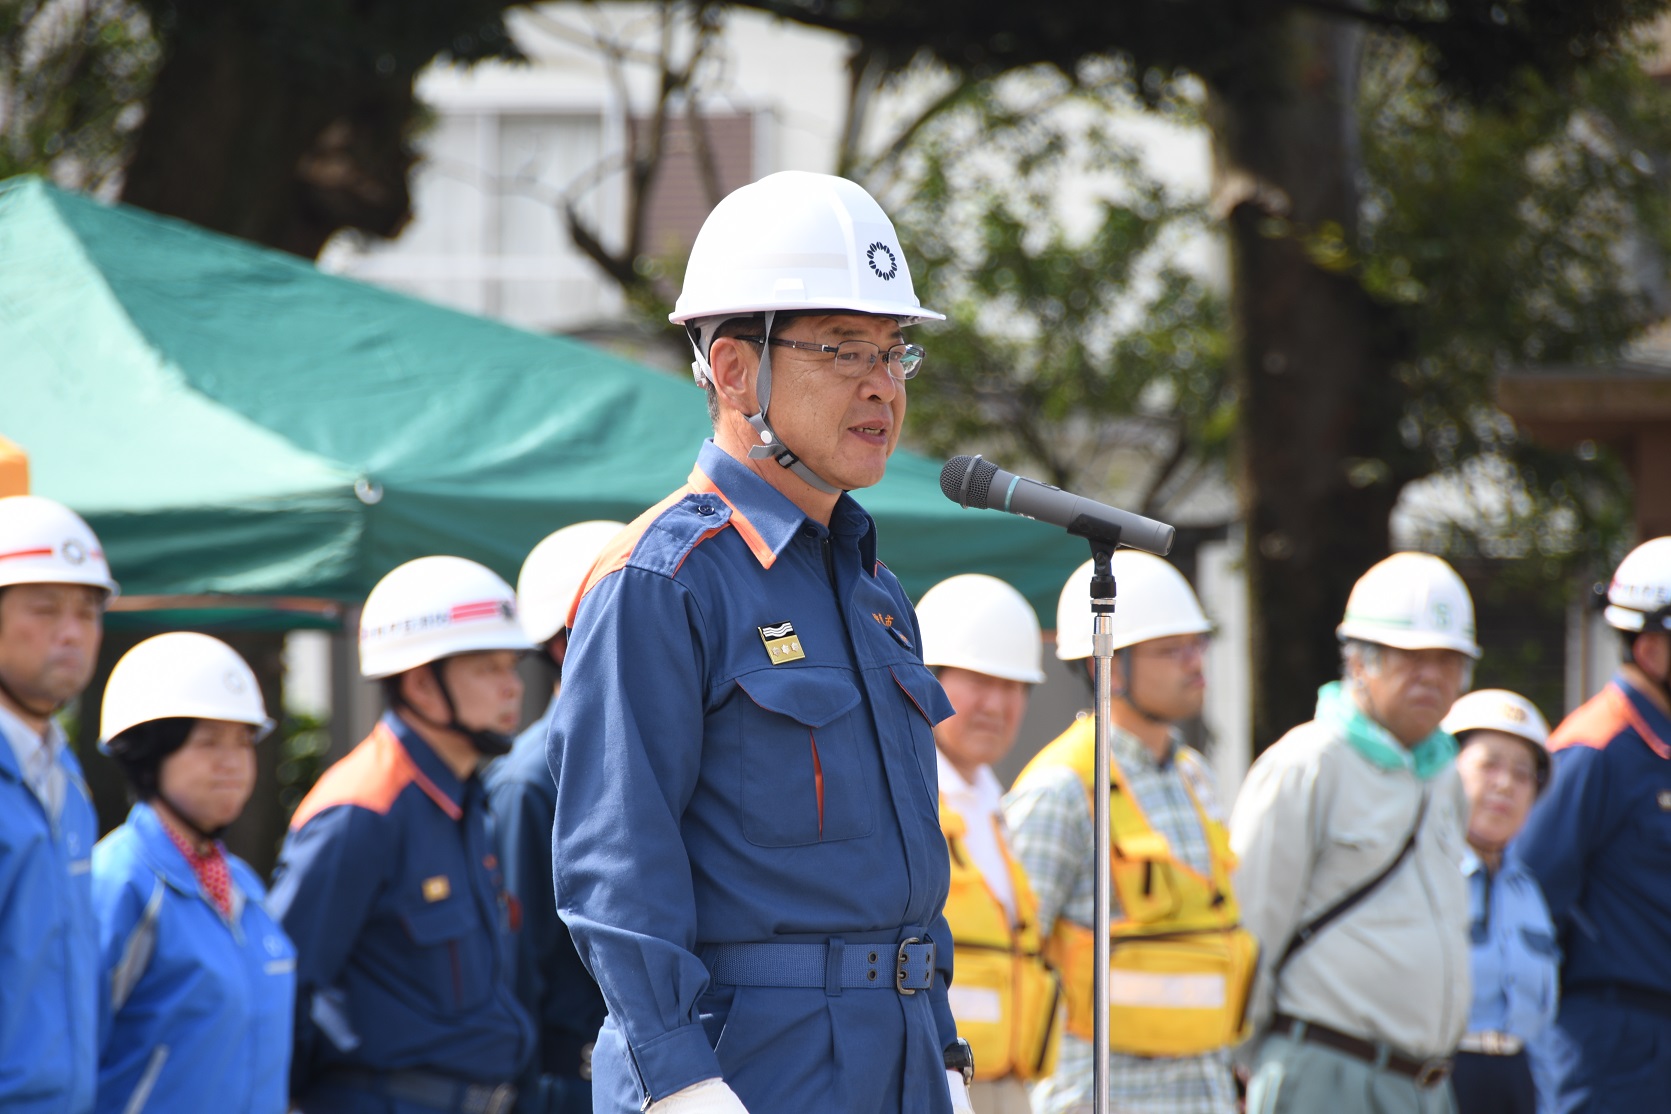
[
  {"x": 522, "y": 829},
  {"x": 1573, "y": 817},
  {"x": 327, "y": 881},
  {"x": 1271, "y": 832},
  {"x": 127, "y": 937},
  {"x": 1051, "y": 834},
  {"x": 626, "y": 746}
]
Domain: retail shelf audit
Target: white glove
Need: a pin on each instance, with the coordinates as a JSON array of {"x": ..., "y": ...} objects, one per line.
[
  {"x": 959, "y": 1092},
  {"x": 711, "y": 1096}
]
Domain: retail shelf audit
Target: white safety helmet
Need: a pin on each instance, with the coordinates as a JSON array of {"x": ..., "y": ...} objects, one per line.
[
  {"x": 793, "y": 242},
  {"x": 554, "y": 571},
  {"x": 798, "y": 242},
  {"x": 1153, "y": 600},
  {"x": 981, "y": 624},
  {"x": 434, "y": 608},
  {"x": 1505, "y": 711},
  {"x": 1640, "y": 595},
  {"x": 44, "y": 542},
  {"x": 1411, "y": 601},
  {"x": 181, "y": 675}
]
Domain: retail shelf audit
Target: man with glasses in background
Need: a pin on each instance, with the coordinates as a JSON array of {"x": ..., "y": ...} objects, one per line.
[{"x": 750, "y": 859}]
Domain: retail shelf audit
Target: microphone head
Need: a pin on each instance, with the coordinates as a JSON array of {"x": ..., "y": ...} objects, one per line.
[{"x": 967, "y": 480}]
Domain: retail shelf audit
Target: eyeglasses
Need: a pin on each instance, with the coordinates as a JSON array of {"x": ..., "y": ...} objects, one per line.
[{"x": 854, "y": 358}]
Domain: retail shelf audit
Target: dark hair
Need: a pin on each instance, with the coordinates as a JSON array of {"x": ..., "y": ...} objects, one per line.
[
  {"x": 736, "y": 327},
  {"x": 140, "y": 751}
]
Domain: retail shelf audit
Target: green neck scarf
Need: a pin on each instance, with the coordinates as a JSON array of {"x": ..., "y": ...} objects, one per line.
[{"x": 1337, "y": 709}]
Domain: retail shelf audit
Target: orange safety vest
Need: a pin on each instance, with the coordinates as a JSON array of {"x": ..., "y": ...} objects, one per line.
[
  {"x": 1004, "y": 994},
  {"x": 1180, "y": 964}
]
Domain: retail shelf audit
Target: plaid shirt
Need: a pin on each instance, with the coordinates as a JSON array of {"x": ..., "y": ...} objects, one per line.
[{"x": 1051, "y": 832}]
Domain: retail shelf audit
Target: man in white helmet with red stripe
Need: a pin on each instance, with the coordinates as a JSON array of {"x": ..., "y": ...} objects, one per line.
[
  {"x": 751, "y": 861},
  {"x": 389, "y": 884},
  {"x": 1599, "y": 843},
  {"x": 54, "y": 585},
  {"x": 1350, "y": 830}
]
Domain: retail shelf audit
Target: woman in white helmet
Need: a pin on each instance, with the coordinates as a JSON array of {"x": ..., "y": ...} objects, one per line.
[
  {"x": 1504, "y": 765},
  {"x": 200, "y": 980},
  {"x": 981, "y": 638},
  {"x": 389, "y": 882}
]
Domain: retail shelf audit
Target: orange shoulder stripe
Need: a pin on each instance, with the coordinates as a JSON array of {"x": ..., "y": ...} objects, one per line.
[
  {"x": 699, "y": 481},
  {"x": 371, "y": 776},
  {"x": 1595, "y": 723},
  {"x": 618, "y": 552}
]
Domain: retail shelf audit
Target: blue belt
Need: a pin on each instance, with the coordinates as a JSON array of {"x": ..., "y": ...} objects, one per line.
[{"x": 907, "y": 966}]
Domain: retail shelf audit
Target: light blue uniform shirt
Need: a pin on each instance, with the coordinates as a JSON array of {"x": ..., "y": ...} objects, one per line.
[{"x": 1512, "y": 951}]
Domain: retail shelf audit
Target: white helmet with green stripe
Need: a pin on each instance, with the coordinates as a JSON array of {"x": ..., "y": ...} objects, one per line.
[{"x": 1411, "y": 601}]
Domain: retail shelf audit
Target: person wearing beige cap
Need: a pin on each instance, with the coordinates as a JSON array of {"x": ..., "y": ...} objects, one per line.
[{"x": 1504, "y": 764}]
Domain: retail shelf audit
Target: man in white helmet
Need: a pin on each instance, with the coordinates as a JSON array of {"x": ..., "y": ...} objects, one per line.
[
  {"x": 54, "y": 585},
  {"x": 552, "y": 985},
  {"x": 981, "y": 638},
  {"x": 752, "y": 866},
  {"x": 1350, "y": 829},
  {"x": 388, "y": 882},
  {"x": 1599, "y": 843},
  {"x": 1169, "y": 1040}
]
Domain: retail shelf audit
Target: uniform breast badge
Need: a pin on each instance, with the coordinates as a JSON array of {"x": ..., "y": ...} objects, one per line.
[{"x": 782, "y": 643}]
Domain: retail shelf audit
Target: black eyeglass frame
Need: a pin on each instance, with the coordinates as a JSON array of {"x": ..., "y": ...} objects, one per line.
[{"x": 835, "y": 350}]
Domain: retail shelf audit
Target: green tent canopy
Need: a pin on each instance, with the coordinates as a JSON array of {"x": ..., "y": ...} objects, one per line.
[{"x": 231, "y": 420}]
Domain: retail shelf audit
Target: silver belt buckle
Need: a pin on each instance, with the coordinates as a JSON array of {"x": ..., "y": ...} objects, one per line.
[
  {"x": 900, "y": 961},
  {"x": 496, "y": 1100}
]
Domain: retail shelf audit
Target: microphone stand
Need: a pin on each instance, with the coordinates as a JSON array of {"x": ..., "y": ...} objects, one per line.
[{"x": 1102, "y": 650}]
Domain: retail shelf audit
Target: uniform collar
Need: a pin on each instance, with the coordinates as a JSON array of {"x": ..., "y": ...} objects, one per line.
[
  {"x": 435, "y": 777},
  {"x": 160, "y": 852},
  {"x": 983, "y": 793},
  {"x": 765, "y": 517},
  {"x": 1644, "y": 715},
  {"x": 1128, "y": 750},
  {"x": 24, "y": 742}
]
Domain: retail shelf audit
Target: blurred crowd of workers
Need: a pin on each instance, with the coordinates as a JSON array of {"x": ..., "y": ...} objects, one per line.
[{"x": 754, "y": 856}]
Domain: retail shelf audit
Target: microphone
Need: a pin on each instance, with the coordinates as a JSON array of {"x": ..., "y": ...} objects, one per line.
[{"x": 970, "y": 481}]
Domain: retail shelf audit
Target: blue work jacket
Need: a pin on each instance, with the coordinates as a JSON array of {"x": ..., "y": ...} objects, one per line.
[
  {"x": 551, "y": 983},
  {"x": 197, "y": 1005},
  {"x": 744, "y": 753},
  {"x": 1599, "y": 840},
  {"x": 389, "y": 885},
  {"x": 49, "y": 943},
  {"x": 1512, "y": 955}
]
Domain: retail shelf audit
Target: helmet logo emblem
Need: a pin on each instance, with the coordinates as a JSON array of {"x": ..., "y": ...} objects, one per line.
[
  {"x": 73, "y": 553},
  {"x": 234, "y": 683},
  {"x": 892, "y": 267},
  {"x": 1442, "y": 614},
  {"x": 1514, "y": 713}
]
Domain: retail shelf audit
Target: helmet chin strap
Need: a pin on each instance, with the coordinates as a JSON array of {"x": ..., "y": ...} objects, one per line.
[
  {"x": 1127, "y": 694},
  {"x": 771, "y": 445},
  {"x": 488, "y": 743}
]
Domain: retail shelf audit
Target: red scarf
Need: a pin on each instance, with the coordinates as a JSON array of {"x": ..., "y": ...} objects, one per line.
[{"x": 210, "y": 868}]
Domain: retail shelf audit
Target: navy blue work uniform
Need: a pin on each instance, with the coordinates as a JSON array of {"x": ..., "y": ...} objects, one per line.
[
  {"x": 1513, "y": 963},
  {"x": 551, "y": 983},
  {"x": 49, "y": 937},
  {"x": 390, "y": 887},
  {"x": 198, "y": 1005},
  {"x": 747, "y": 809},
  {"x": 1599, "y": 844}
]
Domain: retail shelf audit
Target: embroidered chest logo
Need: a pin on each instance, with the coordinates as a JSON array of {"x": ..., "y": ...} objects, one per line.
[
  {"x": 887, "y": 622},
  {"x": 782, "y": 643}
]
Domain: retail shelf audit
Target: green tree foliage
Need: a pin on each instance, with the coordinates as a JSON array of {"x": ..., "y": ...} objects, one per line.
[
  {"x": 1068, "y": 340},
  {"x": 73, "y": 82}
]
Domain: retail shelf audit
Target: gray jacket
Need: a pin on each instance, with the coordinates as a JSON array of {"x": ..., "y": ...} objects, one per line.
[{"x": 1314, "y": 821}]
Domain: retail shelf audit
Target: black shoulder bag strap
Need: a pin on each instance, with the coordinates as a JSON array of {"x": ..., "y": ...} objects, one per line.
[{"x": 1308, "y": 932}]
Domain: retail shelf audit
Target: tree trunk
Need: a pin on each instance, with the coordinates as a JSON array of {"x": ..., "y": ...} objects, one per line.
[
  {"x": 1310, "y": 362},
  {"x": 258, "y": 133}
]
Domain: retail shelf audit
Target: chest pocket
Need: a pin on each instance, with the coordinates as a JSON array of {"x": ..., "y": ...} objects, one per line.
[
  {"x": 925, "y": 705},
  {"x": 452, "y": 964},
  {"x": 805, "y": 758}
]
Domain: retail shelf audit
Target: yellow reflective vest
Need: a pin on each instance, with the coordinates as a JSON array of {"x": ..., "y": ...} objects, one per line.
[
  {"x": 1180, "y": 964},
  {"x": 1004, "y": 995}
]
